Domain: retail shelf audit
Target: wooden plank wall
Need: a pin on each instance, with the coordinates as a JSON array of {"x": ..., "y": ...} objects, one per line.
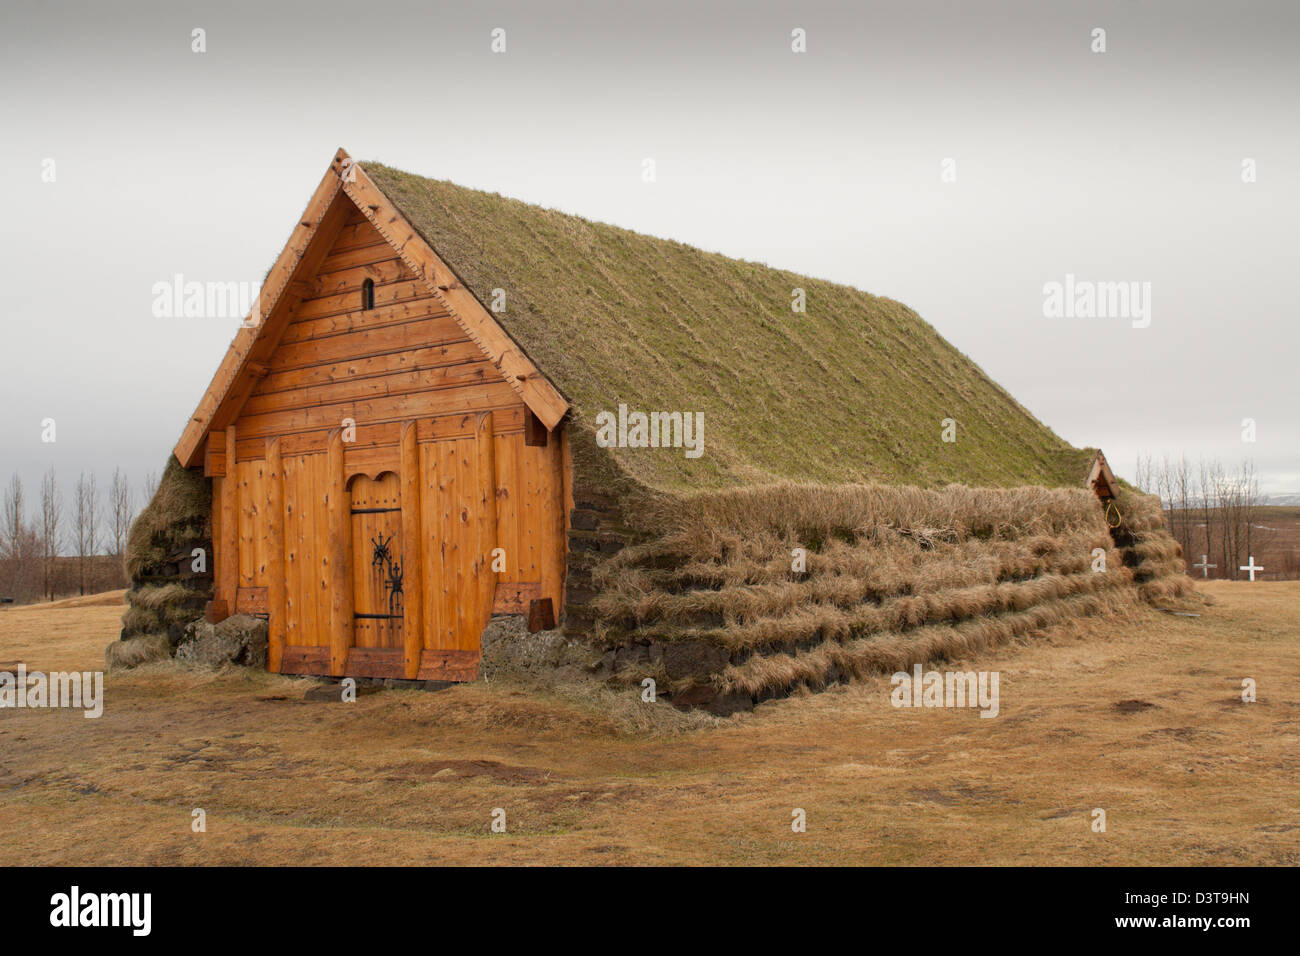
[
  {"x": 250, "y": 477},
  {"x": 531, "y": 516},
  {"x": 431, "y": 410},
  {"x": 403, "y": 359}
]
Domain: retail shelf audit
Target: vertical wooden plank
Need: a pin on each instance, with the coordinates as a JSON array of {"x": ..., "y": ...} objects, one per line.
[
  {"x": 447, "y": 491},
  {"x": 337, "y": 583},
  {"x": 318, "y": 524},
  {"x": 541, "y": 487},
  {"x": 216, "y": 559},
  {"x": 392, "y": 523},
  {"x": 359, "y": 496},
  {"x": 485, "y": 521},
  {"x": 315, "y": 632},
  {"x": 467, "y": 544},
  {"x": 549, "y": 494},
  {"x": 257, "y": 481},
  {"x": 508, "y": 497},
  {"x": 430, "y": 505},
  {"x": 566, "y": 512},
  {"x": 273, "y": 516},
  {"x": 412, "y": 562},
  {"x": 230, "y": 524},
  {"x": 292, "y": 548},
  {"x": 529, "y": 511},
  {"x": 240, "y": 472}
]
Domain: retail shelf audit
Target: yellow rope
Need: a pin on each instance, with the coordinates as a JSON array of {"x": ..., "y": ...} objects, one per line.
[{"x": 1119, "y": 518}]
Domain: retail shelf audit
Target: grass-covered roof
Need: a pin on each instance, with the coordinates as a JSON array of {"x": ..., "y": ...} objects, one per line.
[{"x": 853, "y": 389}]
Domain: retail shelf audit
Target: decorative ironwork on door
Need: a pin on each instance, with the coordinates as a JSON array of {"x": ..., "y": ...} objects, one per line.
[
  {"x": 377, "y": 562},
  {"x": 387, "y": 573}
]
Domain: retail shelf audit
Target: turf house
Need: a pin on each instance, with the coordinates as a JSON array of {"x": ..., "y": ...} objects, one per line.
[{"x": 450, "y": 408}]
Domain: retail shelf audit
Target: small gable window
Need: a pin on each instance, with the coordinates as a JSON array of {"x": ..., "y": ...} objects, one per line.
[{"x": 367, "y": 295}]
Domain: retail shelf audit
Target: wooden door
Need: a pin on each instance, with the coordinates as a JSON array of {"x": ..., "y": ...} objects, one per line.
[
  {"x": 378, "y": 574},
  {"x": 458, "y": 521}
]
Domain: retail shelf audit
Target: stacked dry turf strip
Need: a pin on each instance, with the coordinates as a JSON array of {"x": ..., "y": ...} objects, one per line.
[
  {"x": 168, "y": 588},
  {"x": 716, "y": 609},
  {"x": 1150, "y": 552}
]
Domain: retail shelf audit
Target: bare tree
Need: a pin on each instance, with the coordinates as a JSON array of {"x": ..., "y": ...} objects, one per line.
[
  {"x": 1228, "y": 502},
  {"x": 1144, "y": 472},
  {"x": 1249, "y": 484},
  {"x": 12, "y": 518},
  {"x": 150, "y": 486},
  {"x": 87, "y": 505},
  {"x": 1182, "y": 494},
  {"x": 95, "y": 515},
  {"x": 51, "y": 514},
  {"x": 1164, "y": 488},
  {"x": 119, "y": 505},
  {"x": 1203, "y": 483}
]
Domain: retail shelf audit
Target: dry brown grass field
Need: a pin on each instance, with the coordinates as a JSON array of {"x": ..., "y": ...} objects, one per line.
[{"x": 1142, "y": 717}]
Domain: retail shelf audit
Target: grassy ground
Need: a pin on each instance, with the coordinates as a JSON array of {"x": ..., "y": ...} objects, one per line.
[{"x": 411, "y": 777}]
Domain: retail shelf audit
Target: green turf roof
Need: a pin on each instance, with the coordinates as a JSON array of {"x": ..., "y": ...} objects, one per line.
[{"x": 854, "y": 389}]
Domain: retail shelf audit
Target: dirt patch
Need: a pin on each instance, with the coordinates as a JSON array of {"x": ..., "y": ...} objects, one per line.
[
  {"x": 1178, "y": 733},
  {"x": 934, "y": 796},
  {"x": 1062, "y": 814},
  {"x": 1131, "y": 706},
  {"x": 421, "y": 770}
]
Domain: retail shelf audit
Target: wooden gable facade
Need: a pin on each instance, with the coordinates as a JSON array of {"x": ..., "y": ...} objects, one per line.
[{"x": 389, "y": 468}]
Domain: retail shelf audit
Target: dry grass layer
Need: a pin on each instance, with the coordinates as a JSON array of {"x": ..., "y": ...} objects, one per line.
[
  {"x": 103, "y": 599},
  {"x": 853, "y": 389},
  {"x": 894, "y": 575},
  {"x": 1155, "y": 557},
  {"x": 1139, "y": 714},
  {"x": 175, "y": 516},
  {"x": 163, "y": 597}
]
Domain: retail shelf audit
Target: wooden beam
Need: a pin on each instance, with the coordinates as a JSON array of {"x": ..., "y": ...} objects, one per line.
[
  {"x": 533, "y": 387},
  {"x": 566, "y": 513},
  {"x": 485, "y": 521},
  {"x": 337, "y": 580},
  {"x": 412, "y": 562},
  {"x": 215, "y": 611},
  {"x": 228, "y": 548},
  {"x": 449, "y": 665},
  {"x": 305, "y": 659},
  {"x": 513, "y": 597},
  {"x": 275, "y": 582},
  {"x": 214, "y": 455},
  {"x": 534, "y": 431},
  {"x": 251, "y": 600},
  {"x": 541, "y": 615},
  {"x": 377, "y": 662}
]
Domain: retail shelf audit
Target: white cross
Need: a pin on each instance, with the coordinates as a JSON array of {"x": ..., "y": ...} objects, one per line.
[
  {"x": 1205, "y": 568},
  {"x": 1252, "y": 567}
]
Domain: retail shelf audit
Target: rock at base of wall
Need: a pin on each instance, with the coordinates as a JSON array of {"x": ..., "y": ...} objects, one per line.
[
  {"x": 239, "y": 639},
  {"x": 705, "y": 695},
  {"x": 134, "y": 651},
  {"x": 698, "y": 659},
  {"x": 508, "y": 649}
]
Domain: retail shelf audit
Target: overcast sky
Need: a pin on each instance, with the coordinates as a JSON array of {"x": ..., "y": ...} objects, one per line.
[{"x": 1125, "y": 165}]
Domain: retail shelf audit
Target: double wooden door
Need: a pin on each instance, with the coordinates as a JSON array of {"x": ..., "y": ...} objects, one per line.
[{"x": 392, "y": 553}]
